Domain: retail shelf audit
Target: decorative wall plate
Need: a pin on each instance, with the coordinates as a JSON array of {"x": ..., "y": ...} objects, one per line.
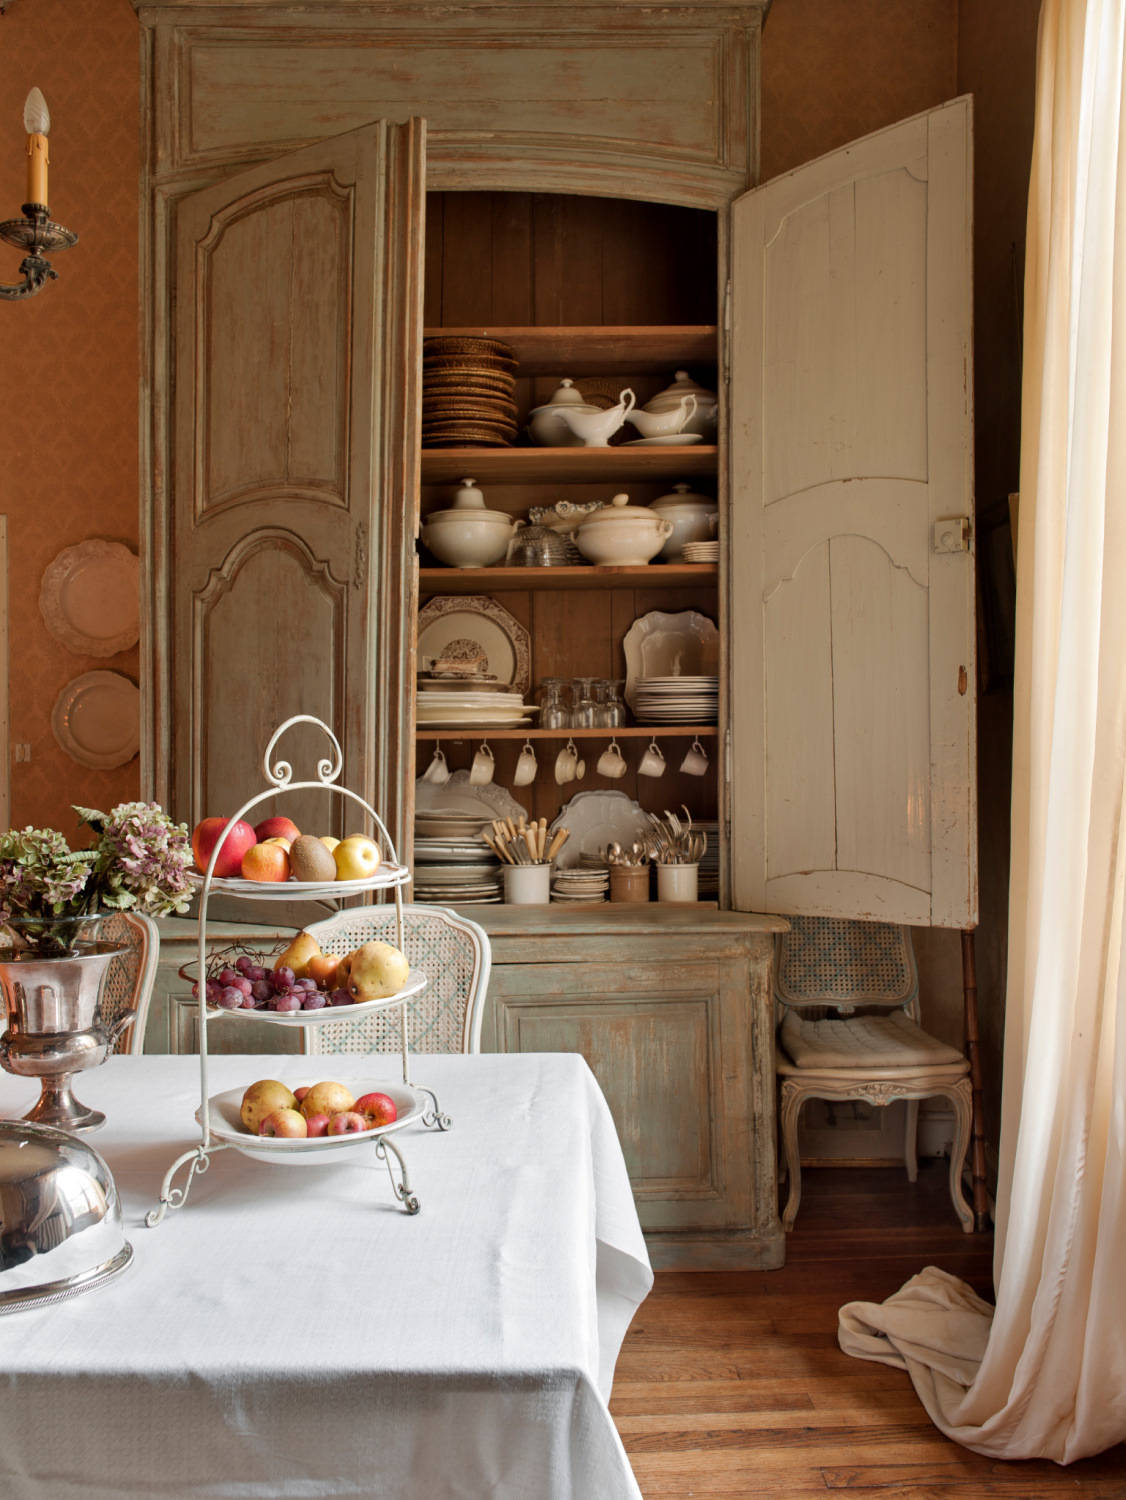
[
  {"x": 90, "y": 598},
  {"x": 473, "y": 619},
  {"x": 97, "y": 720},
  {"x": 660, "y": 645}
]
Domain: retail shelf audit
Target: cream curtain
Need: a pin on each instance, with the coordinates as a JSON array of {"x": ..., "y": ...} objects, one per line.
[{"x": 1045, "y": 1375}]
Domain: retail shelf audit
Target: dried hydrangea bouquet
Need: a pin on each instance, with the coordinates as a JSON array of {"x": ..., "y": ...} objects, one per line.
[{"x": 52, "y": 896}]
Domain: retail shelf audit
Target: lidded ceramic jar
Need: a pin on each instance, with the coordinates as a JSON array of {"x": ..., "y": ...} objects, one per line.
[
  {"x": 544, "y": 426},
  {"x": 691, "y": 516},
  {"x": 704, "y": 419},
  {"x": 622, "y": 535},
  {"x": 469, "y": 535}
]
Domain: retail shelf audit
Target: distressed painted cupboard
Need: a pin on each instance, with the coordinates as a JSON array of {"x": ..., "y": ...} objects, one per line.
[{"x": 323, "y": 181}]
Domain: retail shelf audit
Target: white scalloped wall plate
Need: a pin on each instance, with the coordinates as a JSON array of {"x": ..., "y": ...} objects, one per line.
[
  {"x": 90, "y": 598},
  {"x": 457, "y": 795},
  {"x": 97, "y": 720},
  {"x": 595, "y": 820}
]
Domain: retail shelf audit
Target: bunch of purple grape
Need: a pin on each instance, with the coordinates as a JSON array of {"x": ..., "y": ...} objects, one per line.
[{"x": 249, "y": 986}]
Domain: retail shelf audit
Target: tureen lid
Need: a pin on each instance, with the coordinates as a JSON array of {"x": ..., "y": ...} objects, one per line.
[
  {"x": 619, "y": 509},
  {"x": 566, "y": 393},
  {"x": 683, "y": 385},
  {"x": 684, "y": 495},
  {"x": 469, "y": 497}
]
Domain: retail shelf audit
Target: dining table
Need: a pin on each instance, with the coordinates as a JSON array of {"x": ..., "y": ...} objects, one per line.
[{"x": 291, "y": 1332}]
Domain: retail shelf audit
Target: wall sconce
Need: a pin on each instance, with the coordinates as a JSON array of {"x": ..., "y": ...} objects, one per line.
[{"x": 35, "y": 232}]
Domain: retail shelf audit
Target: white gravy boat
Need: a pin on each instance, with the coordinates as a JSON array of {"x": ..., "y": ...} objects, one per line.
[
  {"x": 652, "y": 424},
  {"x": 596, "y": 428}
]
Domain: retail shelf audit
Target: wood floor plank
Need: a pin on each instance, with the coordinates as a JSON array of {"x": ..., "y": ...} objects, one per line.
[{"x": 732, "y": 1385}]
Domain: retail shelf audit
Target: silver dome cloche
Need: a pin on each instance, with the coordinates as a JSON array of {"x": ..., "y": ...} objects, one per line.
[{"x": 60, "y": 1217}]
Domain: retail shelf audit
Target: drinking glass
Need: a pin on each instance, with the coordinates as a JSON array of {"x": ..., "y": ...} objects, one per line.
[
  {"x": 554, "y": 713},
  {"x": 615, "y": 706},
  {"x": 584, "y": 715}
]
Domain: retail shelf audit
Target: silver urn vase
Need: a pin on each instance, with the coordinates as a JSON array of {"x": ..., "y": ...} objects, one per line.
[{"x": 53, "y": 1026}]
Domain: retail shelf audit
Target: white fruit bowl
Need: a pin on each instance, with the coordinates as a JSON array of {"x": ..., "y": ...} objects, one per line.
[
  {"x": 416, "y": 983},
  {"x": 324, "y": 1150},
  {"x": 387, "y": 876}
]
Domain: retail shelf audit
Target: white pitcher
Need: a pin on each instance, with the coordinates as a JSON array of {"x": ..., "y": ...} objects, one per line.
[{"x": 596, "y": 428}]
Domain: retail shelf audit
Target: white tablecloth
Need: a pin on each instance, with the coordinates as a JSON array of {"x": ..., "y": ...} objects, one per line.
[{"x": 291, "y": 1332}]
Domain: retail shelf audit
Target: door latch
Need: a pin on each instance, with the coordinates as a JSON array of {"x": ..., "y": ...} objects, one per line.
[{"x": 952, "y": 534}]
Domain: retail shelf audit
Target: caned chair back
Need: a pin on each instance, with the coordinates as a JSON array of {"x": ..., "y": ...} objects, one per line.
[
  {"x": 839, "y": 965},
  {"x": 129, "y": 976},
  {"x": 453, "y": 953}
]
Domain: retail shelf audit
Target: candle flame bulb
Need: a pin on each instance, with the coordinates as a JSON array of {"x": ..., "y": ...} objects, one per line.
[
  {"x": 36, "y": 115},
  {"x": 37, "y": 122}
]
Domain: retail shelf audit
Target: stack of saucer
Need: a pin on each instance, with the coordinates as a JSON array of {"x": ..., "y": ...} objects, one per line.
[
  {"x": 677, "y": 700},
  {"x": 697, "y": 552},
  {"x": 468, "y": 393},
  {"x": 581, "y": 885}
]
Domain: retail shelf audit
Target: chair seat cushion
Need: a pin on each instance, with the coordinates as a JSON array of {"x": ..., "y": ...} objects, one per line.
[{"x": 891, "y": 1041}]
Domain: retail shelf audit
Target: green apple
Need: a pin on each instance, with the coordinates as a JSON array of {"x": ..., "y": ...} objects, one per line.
[{"x": 357, "y": 858}]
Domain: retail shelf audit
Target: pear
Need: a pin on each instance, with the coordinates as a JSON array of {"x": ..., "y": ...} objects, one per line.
[
  {"x": 377, "y": 972},
  {"x": 297, "y": 955},
  {"x": 310, "y": 860},
  {"x": 261, "y": 1099}
]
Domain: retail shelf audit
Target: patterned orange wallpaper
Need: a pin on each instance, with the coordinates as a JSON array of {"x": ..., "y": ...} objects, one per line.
[
  {"x": 68, "y": 377},
  {"x": 834, "y": 70}
]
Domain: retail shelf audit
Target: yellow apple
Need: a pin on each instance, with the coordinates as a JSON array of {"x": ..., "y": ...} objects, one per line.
[
  {"x": 326, "y": 1098},
  {"x": 357, "y": 858},
  {"x": 262, "y": 1099},
  {"x": 377, "y": 971},
  {"x": 329, "y": 842}
]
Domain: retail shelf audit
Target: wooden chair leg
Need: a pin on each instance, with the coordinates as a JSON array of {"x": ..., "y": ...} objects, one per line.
[
  {"x": 960, "y": 1096},
  {"x": 973, "y": 1052},
  {"x": 789, "y": 1110},
  {"x": 910, "y": 1140}
]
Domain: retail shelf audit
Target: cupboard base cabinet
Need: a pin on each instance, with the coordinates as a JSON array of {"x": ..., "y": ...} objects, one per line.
[{"x": 672, "y": 1009}]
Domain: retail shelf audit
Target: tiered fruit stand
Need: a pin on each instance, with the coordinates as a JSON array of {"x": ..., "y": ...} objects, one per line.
[{"x": 218, "y": 1116}]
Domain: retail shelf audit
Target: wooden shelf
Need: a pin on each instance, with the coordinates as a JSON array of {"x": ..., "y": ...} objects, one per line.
[
  {"x": 568, "y": 465},
  {"x": 633, "y": 732},
  {"x": 601, "y": 350},
  {"x": 501, "y": 580}
]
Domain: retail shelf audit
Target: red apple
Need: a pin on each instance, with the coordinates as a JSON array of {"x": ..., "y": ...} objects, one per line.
[
  {"x": 277, "y": 828},
  {"x": 207, "y": 835},
  {"x": 300, "y": 1093},
  {"x": 377, "y": 1109},
  {"x": 286, "y": 1123},
  {"x": 348, "y": 1122},
  {"x": 318, "y": 1124}
]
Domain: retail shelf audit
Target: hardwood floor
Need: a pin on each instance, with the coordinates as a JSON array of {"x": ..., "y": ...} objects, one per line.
[{"x": 732, "y": 1384}]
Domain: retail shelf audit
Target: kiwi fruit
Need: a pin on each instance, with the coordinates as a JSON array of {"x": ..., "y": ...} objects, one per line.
[{"x": 310, "y": 860}]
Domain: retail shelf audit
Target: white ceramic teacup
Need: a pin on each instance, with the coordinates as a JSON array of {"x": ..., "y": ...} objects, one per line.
[
  {"x": 565, "y": 763},
  {"x": 525, "y": 766},
  {"x": 652, "y": 762},
  {"x": 695, "y": 763},
  {"x": 437, "y": 772},
  {"x": 481, "y": 771},
  {"x": 610, "y": 762}
]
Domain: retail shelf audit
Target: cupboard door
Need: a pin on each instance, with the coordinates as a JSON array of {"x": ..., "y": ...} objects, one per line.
[
  {"x": 298, "y": 328},
  {"x": 853, "y": 786}
]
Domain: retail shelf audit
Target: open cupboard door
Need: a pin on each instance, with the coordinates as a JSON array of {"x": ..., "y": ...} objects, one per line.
[
  {"x": 852, "y": 584},
  {"x": 298, "y": 321}
]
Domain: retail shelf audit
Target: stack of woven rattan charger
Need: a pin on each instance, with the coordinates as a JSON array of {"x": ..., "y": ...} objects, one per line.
[{"x": 468, "y": 393}]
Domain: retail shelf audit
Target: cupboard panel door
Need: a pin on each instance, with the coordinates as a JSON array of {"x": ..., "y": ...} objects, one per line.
[
  {"x": 853, "y": 786},
  {"x": 298, "y": 313}
]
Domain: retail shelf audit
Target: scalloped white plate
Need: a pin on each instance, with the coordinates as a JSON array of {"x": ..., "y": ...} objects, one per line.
[
  {"x": 416, "y": 983},
  {"x": 90, "y": 598},
  {"x": 97, "y": 720}
]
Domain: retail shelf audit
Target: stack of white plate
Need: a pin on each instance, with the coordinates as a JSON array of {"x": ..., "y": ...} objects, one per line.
[
  {"x": 473, "y": 709},
  {"x": 583, "y": 885},
  {"x": 458, "y": 885},
  {"x": 449, "y": 838},
  {"x": 708, "y": 882},
  {"x": 698, "y": 552},
  {"x": 677, "y": 700}
]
